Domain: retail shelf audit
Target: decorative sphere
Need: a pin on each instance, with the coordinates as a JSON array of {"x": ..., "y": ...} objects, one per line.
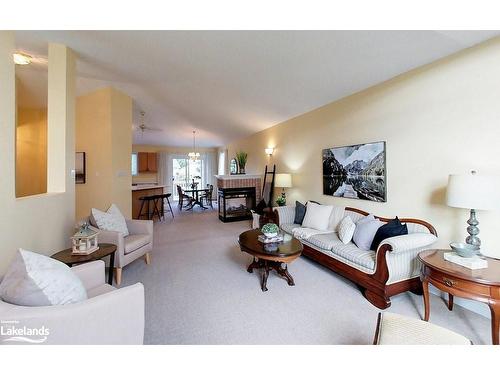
[{"x": 270, "y": 230}]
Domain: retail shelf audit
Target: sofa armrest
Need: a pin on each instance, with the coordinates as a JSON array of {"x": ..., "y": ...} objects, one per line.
[
  {"x": 115, "y": 317},
  {"x": 285, "y": 214},
  {"x": 92, "y": 274},
  {"x": 140, "y": 226},
  {"x": 409, "y": 241}
]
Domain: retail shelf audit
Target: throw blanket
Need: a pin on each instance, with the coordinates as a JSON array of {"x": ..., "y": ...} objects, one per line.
[{"x": 305, "y": 233}]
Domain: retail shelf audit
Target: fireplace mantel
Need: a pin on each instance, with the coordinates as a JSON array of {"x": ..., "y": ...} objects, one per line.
[{"x": 236, "y": 176}]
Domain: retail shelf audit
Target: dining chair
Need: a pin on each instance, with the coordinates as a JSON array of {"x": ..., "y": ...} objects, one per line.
[
  {"x": 183, "y": 196},
  {"x": 207, "y": 196}
]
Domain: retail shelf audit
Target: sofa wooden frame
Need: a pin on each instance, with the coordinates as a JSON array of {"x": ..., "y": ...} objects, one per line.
[{"x": 373, "y": 286}]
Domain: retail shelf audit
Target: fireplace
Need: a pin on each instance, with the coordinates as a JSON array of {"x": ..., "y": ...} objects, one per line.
[{"x": 235, "y": 203}]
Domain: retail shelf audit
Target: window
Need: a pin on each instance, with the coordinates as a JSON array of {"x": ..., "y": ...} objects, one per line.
[
  {"x": 134, "y": 164},
  {"x": 222, "y": 162}
]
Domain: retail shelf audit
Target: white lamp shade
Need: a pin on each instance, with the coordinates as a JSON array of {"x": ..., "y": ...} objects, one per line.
[
  {"x": 283, "y": 180},
  {"x": 473, "y": 191}
]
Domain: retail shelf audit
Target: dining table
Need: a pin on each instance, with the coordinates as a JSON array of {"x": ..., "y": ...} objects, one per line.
[{"x": 195, "y": 193}]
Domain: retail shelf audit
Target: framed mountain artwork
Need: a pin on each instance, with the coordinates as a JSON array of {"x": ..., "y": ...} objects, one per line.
[{"x": 356, "y": 172}]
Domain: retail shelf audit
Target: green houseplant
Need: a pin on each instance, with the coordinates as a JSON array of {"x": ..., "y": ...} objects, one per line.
[{"x": 241, "y": 158}]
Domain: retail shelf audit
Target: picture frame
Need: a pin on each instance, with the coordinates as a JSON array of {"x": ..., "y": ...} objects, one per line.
[
  {"x": 356, "y": 171},
  {"x": 80, "y": 168}
]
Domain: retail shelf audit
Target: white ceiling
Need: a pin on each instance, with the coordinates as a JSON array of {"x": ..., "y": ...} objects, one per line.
[{"x": 230, "y": 84}]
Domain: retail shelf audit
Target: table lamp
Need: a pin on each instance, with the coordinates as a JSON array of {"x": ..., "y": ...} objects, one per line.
[
  {"x": 282, "y": 180},
  {"x": 475, "y": 192}
]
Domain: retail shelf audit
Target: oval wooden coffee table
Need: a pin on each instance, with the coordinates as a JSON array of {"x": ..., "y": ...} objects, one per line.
[
  {"x": 481, "y": 285},
  {"x": 267, "y": 256},
  {"x": 105, "y": 249}
]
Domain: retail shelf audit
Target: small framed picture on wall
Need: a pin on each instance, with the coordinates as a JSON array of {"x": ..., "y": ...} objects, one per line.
[{"x": 80, "y": 170}]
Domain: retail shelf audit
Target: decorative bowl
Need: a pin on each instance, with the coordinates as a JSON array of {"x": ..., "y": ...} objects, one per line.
[
  {"x": 270, "y": 230},
  {"x": 464, "y": 249}
]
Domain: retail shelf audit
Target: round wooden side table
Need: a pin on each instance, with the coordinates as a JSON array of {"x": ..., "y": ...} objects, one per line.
[
  {"x": 481, "y": 285},
  {"x": 105, "y": 249}
]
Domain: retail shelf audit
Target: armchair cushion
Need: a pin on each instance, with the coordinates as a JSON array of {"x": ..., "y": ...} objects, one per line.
[
  {"x": 37, "y": 280},
  {"x": 136, "y": 241},
  {"x": 112, "y": 220},
  {"x": 395, "y": 329}
]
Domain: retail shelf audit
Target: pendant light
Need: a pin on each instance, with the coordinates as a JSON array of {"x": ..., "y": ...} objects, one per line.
[{"x": 193, "y": 155}]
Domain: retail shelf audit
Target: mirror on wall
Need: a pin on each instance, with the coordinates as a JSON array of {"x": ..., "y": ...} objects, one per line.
[
  {"x": 31, "y": 123},
  {"x": 233, "y": 166}
]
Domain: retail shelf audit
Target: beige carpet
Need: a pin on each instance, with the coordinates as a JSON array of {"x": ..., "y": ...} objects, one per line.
[{"x": 198, "y": 292}]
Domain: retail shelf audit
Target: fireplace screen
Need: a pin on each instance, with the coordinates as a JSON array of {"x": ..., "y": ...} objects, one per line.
[{"x": 235, "y": 203}]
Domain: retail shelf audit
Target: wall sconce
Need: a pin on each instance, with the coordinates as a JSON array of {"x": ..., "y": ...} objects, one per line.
[{"x": 269, "y": 151}]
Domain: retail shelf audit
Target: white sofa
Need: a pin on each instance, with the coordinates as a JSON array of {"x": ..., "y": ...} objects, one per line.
[
  {"x": 391, "y": 269},
  {"x": 108, "y": 316}
]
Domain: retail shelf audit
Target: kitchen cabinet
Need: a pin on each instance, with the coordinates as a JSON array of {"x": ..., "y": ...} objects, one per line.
[{"x": 147, "y": 162}]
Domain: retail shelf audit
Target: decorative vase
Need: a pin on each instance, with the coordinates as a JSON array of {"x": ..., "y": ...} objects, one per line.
[{"x": 242, "y": 170}]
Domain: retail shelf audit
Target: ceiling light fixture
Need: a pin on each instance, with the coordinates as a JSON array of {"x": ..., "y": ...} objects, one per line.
[
  {"x": 21, "y": 58},
  {"x": 193, "y": 155}
]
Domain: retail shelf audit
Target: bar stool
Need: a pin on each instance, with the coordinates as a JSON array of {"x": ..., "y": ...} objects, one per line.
[
  {"x": 147, "y": 200},
  {"x": 160, "y": 198}
]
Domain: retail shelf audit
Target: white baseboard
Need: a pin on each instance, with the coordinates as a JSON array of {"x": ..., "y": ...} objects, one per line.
[{"x": 477, "y": 307}]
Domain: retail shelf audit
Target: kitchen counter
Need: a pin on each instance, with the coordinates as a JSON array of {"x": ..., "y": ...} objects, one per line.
[
  {"x": 147, "y": 187},
  {"x": 142, "y": 191}
]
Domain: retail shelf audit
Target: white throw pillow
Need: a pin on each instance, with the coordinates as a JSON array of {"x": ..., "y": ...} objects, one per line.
[
  {"x": 335, "y": 218},
  {"x": 110, "y": 220},
  {"x": 36, "y": 280},
  {"x": 365, "y": 232},
  {"x": 346, "y": 229},
  {"x": 317, "y": 216}
]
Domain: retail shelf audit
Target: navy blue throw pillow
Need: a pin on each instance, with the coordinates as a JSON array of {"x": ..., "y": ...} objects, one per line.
[
  {"x": 391, "y": 229},
  {"x": 260, "y": 207},
  {"x": 300, "y": 212}
]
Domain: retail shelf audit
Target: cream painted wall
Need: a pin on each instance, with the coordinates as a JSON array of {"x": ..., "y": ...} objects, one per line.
[
  {"x": 103, "y": 132},
  {"x": 31, "y": 151},
  {"x": 121, "y": 143},
  {"x": 440, "y": 119},
  {"x": 151, "y": 177},
  {"x": 42, "y": 223}
]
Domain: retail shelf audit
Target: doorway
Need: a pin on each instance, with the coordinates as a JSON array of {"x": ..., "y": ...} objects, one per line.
[{"x": 185, "y": 171}]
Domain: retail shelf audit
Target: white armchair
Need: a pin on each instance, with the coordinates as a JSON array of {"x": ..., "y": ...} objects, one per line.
[
  {"x": 138, "y": 243},
  {"x": 108, "y": 316}
]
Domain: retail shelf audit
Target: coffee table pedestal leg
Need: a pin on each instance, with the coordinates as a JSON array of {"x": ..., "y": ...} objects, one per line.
[
  {"x": 254, "y": 264},
  {"x": 283, "y": 271},
  {"x": 265, "y": 274}
]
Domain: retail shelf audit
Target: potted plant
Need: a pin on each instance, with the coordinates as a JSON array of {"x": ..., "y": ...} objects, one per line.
[{"x": 241, "y": 158}]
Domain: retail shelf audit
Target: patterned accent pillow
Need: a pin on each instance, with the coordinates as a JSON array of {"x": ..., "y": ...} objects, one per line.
[
  {"x": 346, "y": 229},
  {"x": 36, "y": 280},
  {"x": 111, "y": 220}
]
